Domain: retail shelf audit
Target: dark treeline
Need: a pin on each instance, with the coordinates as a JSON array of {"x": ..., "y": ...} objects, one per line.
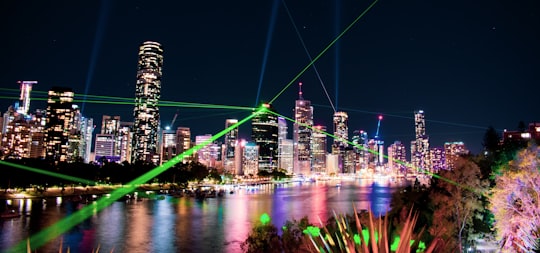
[{"x": 39, "y": 173}]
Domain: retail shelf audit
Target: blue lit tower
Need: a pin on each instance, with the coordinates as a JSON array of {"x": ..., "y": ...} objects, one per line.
[
  {"x": 264, "y": 132},
  {"x": 147, "y": 94},
  {"x": 303, "y": 123},
  {"x": 379, "y": 143}
]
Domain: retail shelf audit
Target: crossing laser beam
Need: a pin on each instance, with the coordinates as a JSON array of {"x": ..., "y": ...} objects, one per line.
[
  {"x": 42, "y": 237},
  {"x": 400, "y": 162},
  {"x": 308, "y": 54},
  {"x": 324, "y": 50}
]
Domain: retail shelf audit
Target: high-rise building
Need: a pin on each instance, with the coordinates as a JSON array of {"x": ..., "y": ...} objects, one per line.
[
  {"x": 38, "y": 124},
  {"x": 420, "y": 152},
  {"x": 360, "y": 141},
  {"x": 24, "y": 101},
  {"x": 111, "y": 125},
  {"x": 209, "y": 154},
  {"x": 125, "y": 140},
  {"x": 231, "y": 139},
  {"x": 453, "y": 150},
  {"x": 318, "y": 149},
  {"x": 285, "y": 147},
  {"x": 17, "y": 138},
  {"x": 341, "y": 137},
  {"x": 250, "y": 159},
  {"x": 437, "y": 161},
  {"x": 75, "y": 139},
  {"x": 58, "y": 123},
  {"x": 183, "y": 142},
  {"x": 204, "y": 153},
  {"x": 397, "y": 158},
  {"x": 168, "y": 145},
  {"x": 104, "y": 147},
  {"x": 303, "y": 123},
  {"x": 147, "y": 94},
  {"x": 264, "y": 132},
  {"x": 87, "y": 132}
]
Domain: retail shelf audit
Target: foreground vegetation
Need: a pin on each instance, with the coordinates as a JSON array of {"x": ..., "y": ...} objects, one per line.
[{"x": 492, "y": 195}]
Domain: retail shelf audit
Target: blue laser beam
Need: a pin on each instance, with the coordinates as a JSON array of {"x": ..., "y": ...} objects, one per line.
[
  {"x": 337, "y": 48},
  {"x": 98, "y": 39},
  {"x": 269, "y": 35}
]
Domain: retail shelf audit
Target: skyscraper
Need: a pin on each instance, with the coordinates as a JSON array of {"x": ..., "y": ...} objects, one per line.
[
  {"x": 453, "y": 150},
  {"x": 303, "y": 123},
  {"x": 58, "y": 120},
  {"x": 183, "y": 142},
  {"x": 264, "y": 132},
  {"x": 147, "y": 94},
  {"x": 397, "y": 158},
  {"x": 318, "y": 149},
  {"x": 420, "y": 151},
  {"x": 111, "y": 125},
  {"x": 231, "y": 138},
  {"x": 341, "y": 137},
  {"x": 24, "y": 101},
  {"x": 285, "y": 147}
]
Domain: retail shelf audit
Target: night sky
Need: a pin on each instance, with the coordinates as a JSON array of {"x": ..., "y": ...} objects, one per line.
[{"x": 468, "y": 64}]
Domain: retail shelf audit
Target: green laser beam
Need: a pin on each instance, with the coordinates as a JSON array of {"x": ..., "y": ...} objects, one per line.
[
  {"x": 404, "y": 163},
  {"x": 324, "y": 50},
  {"x": 62, "y": 226},
  {"x": 160, "y": 104},
  {"x": 49, "y": 173}
]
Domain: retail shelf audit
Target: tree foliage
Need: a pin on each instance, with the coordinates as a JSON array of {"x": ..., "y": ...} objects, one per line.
[
  {"x": 456, "y": 196},
  {"x": 515, "y": 202}
]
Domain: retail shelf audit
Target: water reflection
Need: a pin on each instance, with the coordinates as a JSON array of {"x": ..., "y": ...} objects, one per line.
[{"x": 189, "y": 225}]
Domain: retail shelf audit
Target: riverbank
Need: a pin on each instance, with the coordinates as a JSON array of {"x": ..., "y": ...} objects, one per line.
[{"x": 53, "y": 192}]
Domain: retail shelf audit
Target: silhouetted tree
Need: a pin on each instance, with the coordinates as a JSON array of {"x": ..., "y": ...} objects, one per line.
[
  {"x": 457, "y": 200},
  {"x": 491, "y": 143}
]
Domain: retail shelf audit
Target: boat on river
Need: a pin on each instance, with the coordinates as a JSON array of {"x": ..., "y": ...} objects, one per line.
[{"x": 8, "y": 214}]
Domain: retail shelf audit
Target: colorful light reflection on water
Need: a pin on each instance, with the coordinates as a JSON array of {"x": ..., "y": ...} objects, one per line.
[{"x": 190, "y": 225}]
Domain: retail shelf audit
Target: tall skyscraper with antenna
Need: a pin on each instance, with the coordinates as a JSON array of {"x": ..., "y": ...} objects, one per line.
[
  {"x": 147, "y": 95},
  {"x": 302, "y": 136}
]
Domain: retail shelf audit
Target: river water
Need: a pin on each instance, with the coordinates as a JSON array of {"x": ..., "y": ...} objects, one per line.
[{"x": 185, "y": 224}]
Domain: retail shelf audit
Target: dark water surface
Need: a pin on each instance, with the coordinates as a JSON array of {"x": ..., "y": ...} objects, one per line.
[{"x": 186, "y": 224}]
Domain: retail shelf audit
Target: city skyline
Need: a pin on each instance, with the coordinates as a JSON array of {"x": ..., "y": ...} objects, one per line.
[{"x": 459, "y": 67}]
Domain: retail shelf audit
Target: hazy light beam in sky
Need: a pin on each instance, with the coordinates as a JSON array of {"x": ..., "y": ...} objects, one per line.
[
  {"x": 269, "y": 35},
  {"x": 337, "y": 28},
  {"x": 100, "y": 30}
]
